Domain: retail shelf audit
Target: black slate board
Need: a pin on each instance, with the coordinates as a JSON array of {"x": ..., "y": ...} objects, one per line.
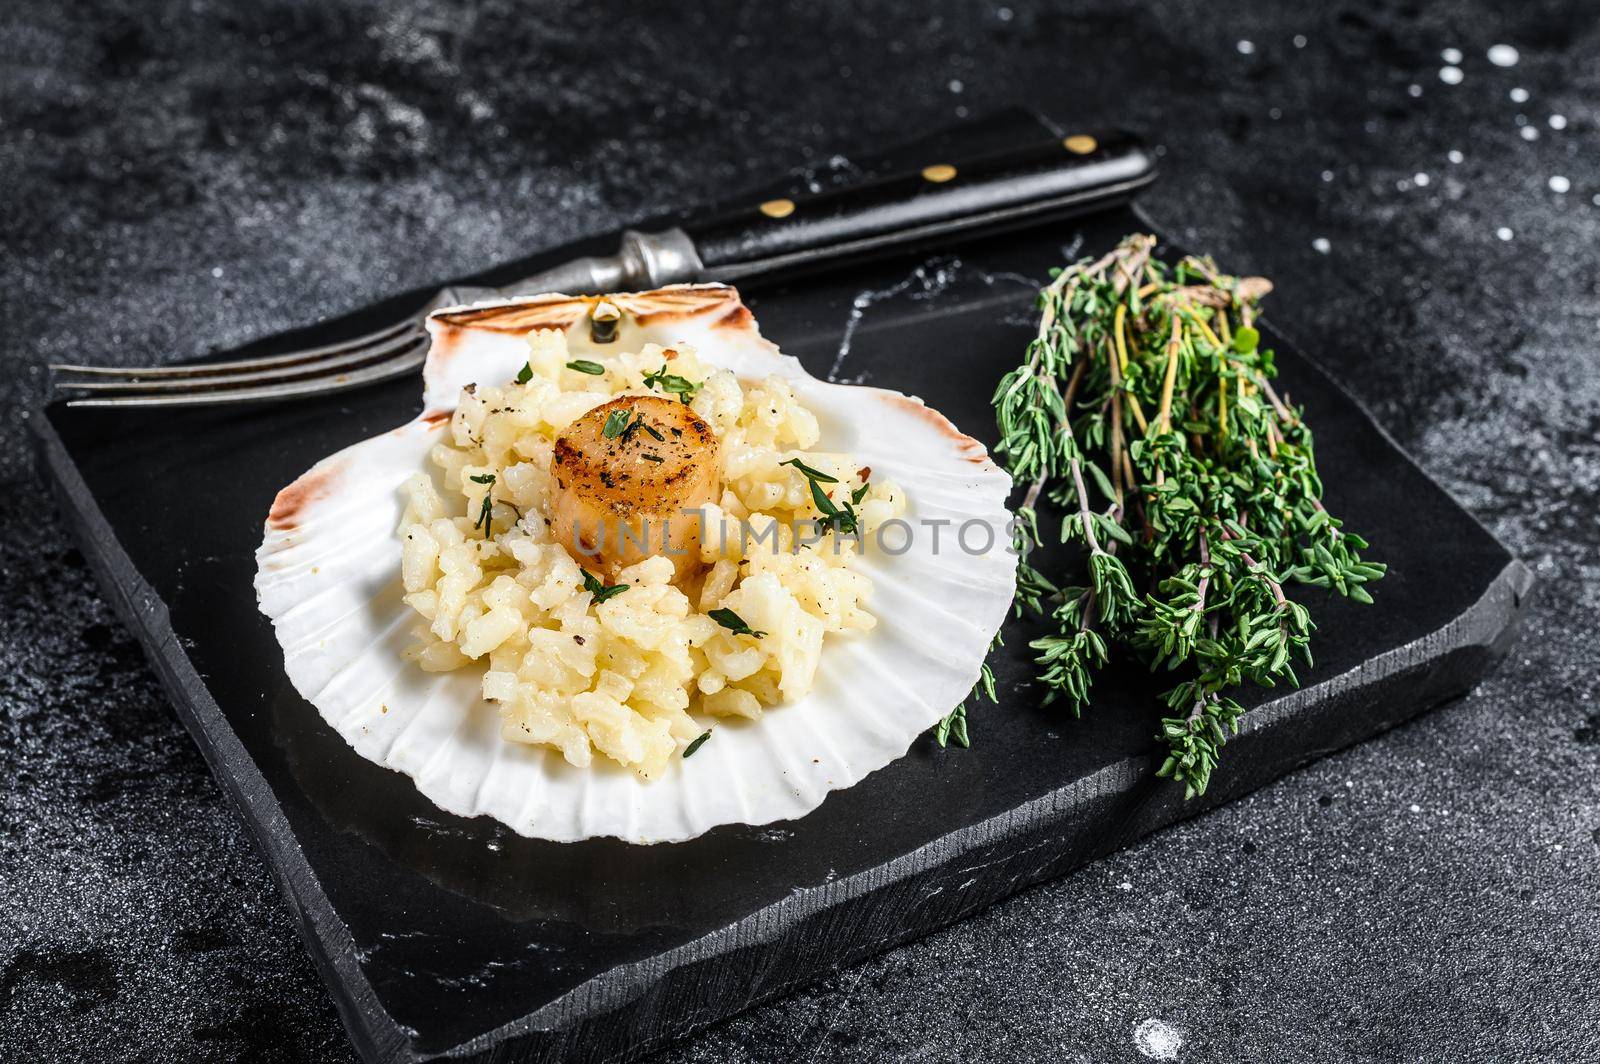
[{"x": 438, "y": 935}]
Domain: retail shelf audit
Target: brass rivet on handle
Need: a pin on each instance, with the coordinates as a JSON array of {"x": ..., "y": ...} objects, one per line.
[
  {"x": 1080, "y": 144},
  {"x": 778, "y": 208},
  {"x": 938, "y": 173}
]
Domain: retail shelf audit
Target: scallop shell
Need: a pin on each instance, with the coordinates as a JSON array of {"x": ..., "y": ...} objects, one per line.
[{"x": 328, "y": 577}]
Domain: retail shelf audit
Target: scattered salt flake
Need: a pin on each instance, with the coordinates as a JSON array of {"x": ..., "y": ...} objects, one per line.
[
  {"x": 1503, "y": 55},
  {"x": 955, "y": 85},
  {"x": 216, "y": 271},
  {"x": 1519, "y": 95},
  {"x": 1451, "y": 56},
  {"x": 1415, "y": 808},
  {"x": 1299, "y": 40},
  {"x": 1529, "y": 133},
  {"x": 1557, "y": 121},
  {"x": 1559, "y": 184},
  {"x": 1420, "y": 180},
  {"x": 1504, "y": 233},
  {"x": 1004, "y": 14},
  {"x": 1450, "y": 75},
  {"x": 1327, "y": 175},
  {"x": 1414, "y": 90},
  {"x": 1157, "y": 1040},
  {"x": 1454, "y": 156},
  {"x": 1246, "y": 47},
  {"x": 1321, "y": 245},
  {"x": 1124, "y": 885},
  {"x": 1558, "y": 847}
]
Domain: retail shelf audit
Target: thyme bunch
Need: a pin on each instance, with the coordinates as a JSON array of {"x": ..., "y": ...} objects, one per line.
[{"x": 1144, "y": 413}]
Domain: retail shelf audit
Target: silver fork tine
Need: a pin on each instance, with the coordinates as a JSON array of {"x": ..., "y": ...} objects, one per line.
[
  {"x": 244, "y": 365},
  {"x": 408, "y": 360},
  {"x": 197, "y": 381}
]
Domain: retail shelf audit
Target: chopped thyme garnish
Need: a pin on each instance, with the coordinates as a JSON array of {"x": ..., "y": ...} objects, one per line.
[
  {"x": 671, "y": 383},
  {"x": 640, "y": 423},
  {"x": 733, "y": 622},
  {"x": 689, "y": 750},
  {"x": 525, "y": 374},
  {"x": 482, "y": 478},
  {"x": 485, "y": 517},
  {"x": 860, "y": 493},
  {"x": 583, "y": 365},
  {"x": 600, "y": 591},
  {"x": 843, "y": 519},
  {"x": 811, "y": 474},
  {"x": 616, "y": 421}
]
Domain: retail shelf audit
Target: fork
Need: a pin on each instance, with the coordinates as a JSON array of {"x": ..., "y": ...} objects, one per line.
[{"x": 947, "y": 198}]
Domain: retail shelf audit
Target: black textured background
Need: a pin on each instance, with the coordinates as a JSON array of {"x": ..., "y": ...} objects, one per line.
[{"x": 177, "y": 177}]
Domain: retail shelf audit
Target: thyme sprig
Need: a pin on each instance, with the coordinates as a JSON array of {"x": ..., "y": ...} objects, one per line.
[{"x": 1144, "y": 412}]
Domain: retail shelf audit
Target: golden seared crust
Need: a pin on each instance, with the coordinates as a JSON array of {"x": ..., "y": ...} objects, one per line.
[{"x": 664, "y": 459}]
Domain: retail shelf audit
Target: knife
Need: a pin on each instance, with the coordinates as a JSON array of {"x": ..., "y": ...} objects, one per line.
[{"x": 946, "y": 200}]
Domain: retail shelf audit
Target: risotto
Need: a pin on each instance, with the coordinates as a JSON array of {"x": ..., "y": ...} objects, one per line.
[{"x": 615, "y": 650}]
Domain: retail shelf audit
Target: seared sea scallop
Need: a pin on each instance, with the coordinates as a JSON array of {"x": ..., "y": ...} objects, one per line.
[{"x": 630, "y": 477}]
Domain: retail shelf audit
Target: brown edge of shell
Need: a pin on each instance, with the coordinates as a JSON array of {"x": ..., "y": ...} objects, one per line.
[
  {"x": 289, "y": 507},
  {"x": 970, "y": 449}
]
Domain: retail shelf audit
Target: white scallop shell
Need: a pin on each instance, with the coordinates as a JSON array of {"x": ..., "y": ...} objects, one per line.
[{"x": 328, "y": 577}]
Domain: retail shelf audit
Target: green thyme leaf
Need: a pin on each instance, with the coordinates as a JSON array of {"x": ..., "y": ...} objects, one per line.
[
  {"x": 616, "y": 422},
  {"x": 953, "y": 728},
  {"x": 733, "y": 622},
  {"x": 583, "y": 365},
  {"x": 825, "y": 505},
  {"x": 699, "y": 741},
  {"x": 600, "y": 591},
  {"x": 525, "y": 374},
  {"x": 483, "y": 478},
  {"x": 671, "y": 383},
  {"x": 814, "y": 475}
]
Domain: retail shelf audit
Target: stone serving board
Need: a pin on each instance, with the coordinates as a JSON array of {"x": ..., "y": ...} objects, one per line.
[{"x": 444, "y": 937}]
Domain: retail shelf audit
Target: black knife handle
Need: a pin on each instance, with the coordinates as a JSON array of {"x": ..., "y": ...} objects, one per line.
[{"x": 946, "y": 199}]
